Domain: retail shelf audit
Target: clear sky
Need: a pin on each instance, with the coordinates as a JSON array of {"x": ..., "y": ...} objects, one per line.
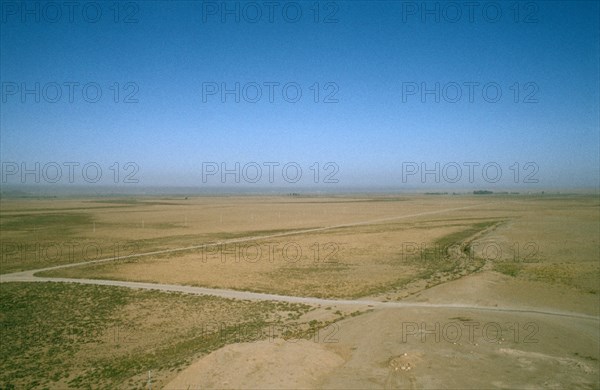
[{"x": 370, "y": 60}]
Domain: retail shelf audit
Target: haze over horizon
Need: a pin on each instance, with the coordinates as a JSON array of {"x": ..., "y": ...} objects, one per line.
[{"x": 381, "y": 94}]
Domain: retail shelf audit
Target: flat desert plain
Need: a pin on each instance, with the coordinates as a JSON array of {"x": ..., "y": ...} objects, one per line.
[{"x": 354, "y": 291}]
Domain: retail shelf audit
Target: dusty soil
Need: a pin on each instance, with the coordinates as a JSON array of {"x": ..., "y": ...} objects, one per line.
[
  {"x": 541, "y": 258},
  {"x": 427, "y": 348},
  {"x": 421, "y": 348}
]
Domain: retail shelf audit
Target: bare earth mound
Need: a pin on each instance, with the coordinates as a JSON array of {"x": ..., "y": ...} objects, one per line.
[{"x": 267, "y": 364}]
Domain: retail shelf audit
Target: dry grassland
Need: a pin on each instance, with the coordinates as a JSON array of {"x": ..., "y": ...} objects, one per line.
[{"x": 488, "y": 250}]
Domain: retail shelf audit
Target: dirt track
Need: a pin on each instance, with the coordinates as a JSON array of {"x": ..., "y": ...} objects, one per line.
[
  {"x": 375, "y": 350},
  {"x": 248, "y": 295},
  {"x": 29, "y": 276}
]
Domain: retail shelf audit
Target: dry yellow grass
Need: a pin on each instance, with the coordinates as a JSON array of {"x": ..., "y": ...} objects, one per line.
[
  {"x": 547, "y": 243},
  {"x": 347, "y": 261}
]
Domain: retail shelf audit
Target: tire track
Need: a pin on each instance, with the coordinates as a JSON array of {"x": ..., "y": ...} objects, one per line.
[{"x": 30, "y": 276}]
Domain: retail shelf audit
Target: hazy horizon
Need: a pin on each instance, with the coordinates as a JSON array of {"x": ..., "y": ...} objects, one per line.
[{"x": 344, "y": 94}]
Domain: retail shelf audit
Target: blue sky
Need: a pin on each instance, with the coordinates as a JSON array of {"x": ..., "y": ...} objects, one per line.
[{"x": 373, "y": 49}]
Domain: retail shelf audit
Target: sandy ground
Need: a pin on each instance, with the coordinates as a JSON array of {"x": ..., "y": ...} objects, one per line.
[
  {"x": 424, "y": 348},
  {"x": 268, "y": 364},
  {"x": 428, "y": 345},
  {"x": 497, "y": 290}
]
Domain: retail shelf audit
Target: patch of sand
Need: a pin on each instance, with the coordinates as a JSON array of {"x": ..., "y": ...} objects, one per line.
[
  {"x": 490, "y": 288},
  {"x": 266, "y": 364}
]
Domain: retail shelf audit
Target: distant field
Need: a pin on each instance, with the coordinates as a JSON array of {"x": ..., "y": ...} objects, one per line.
[{"x": 554, "y": 239}]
